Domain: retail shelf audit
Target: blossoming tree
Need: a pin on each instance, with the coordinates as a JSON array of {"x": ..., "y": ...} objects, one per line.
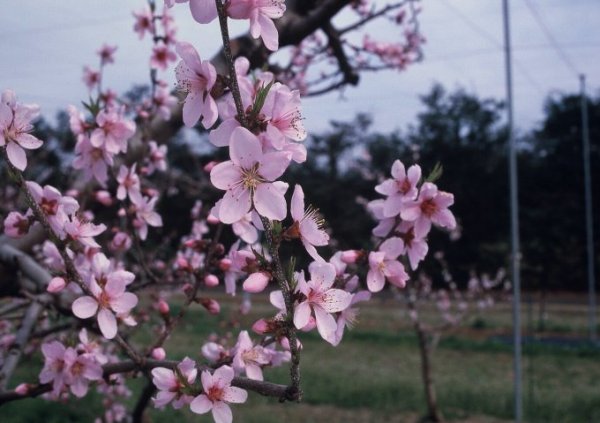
[{"x": 93, "y": 286}]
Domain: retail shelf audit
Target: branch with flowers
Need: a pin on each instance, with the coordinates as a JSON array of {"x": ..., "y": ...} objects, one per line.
[{"x": 113, "y": 279}]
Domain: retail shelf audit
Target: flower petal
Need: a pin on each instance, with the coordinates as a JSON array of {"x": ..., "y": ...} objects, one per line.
[
  {"x": 107, "y": 323},
  {"x": 270, "y": 202},
  {"x": 84, "y": 307}
]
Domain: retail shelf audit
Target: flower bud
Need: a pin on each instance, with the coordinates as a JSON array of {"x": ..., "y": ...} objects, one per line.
[
  {"x": 350, "y": 256},
  {"x": 224, "y": 264},
  {"x": 211, "y": 305},
  {"x": 56, "y": 285},
  {"x": 163, "y": 307},
  {"x": 261, "y": 327},
  {"x": 22, "y": 389},
  {"x": 256, "y": 282},
  {"x": 211, "y": 280},
  {"x": 159, "y": 353}
]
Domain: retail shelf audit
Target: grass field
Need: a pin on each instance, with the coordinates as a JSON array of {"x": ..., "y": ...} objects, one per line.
[{"x": 374, "y": 375}]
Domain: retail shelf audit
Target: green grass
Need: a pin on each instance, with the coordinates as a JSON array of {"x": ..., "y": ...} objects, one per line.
[{"x": 374, "y": 376}]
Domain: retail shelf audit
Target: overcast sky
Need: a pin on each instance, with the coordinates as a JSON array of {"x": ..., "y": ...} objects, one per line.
[{"x": 45, "y": 44}]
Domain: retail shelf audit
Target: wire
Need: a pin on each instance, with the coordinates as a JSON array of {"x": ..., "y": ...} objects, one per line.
[
  {"x": 559, "y": 51},
  {"x": 492, "y": 39}
]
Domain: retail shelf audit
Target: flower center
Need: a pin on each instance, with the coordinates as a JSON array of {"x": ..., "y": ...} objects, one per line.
[
  {"x": 428, "y": 207},
  {"x": 50, "y": 207},
  {"x": 404, "y": 186},
  {"x": 215, "y": 393},
  {"x": 251, "y": 178}
]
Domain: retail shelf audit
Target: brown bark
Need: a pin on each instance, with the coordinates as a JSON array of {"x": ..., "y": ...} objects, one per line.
[{"x": 434, "y": 414}]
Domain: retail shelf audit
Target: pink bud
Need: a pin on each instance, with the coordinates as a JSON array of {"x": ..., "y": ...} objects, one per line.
[
  {"x": 159, "y": 353},
  {"x": 211, "y": 219},
  {"x": 16, "y": 225},
  {"x": 56, "y": 285},
  {"x": 72, "y": 193},
  {"x": 182, "y": 263},
  {"x": 163, "y": 307},
  {"x": 211, "y": 280},
  {"x": 256, "y": 282},
  {"x": 209, "y": 166},
  {"x": 260, "y": 327},
  {"x": 22, "y": 389},
  {"x": 225, "y": 264},
  {"x": 211, "y": 305},
  {"x": 104, "y": 198},
  {"x": 349, "y": 256},
  {"x": 122, "y": 212}
]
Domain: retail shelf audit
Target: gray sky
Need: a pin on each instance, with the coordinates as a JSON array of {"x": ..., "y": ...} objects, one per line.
[{"x": 45, "y": 44}]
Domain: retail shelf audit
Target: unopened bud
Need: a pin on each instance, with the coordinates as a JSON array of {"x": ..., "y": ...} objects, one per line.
[
  {"x": 211, "y": 280},
  {"x": 56, "y": 285},
  {"x": 350, "y": 256},
  {"x": 163, "y": 307},
  {"x": 159, "y": 353},
  {"x": 256, "y": 282}
]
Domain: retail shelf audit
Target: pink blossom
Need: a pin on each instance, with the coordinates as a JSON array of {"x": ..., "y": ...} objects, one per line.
[
  {"x": 249, "y": 358},
  {"x": 196, "y": 78},
  {"x": 91, "y": 77},
  {"x": 162, "y": 55},
  {"x": 248, "y": 179},
  {"x": 121, "y": 242},
  {"x": 218, "y": 393},
  {"x": 307, "y": 225},
  {"x": 84, "y": 232},
  {"x": 246, "y": 228},
  {"x": 172, "y": 384},
  {"x": 321, "y": 298},
  {"x": 16, "y": 225},
  {"x": 163, "y": 101},
  {"x": 260, "y": 13},
  {"x": 80, "y": 370},
  {"x": 143, "y": 22},
  {"x": 415, "y": 248},
  {"x": 54, "y": 366},
  {"x": 106, "y": 300},
  {"x": 157, "y": 158},
  {"x": 384, "y": 265},
  {"x": 401, "y": 188},
  {"x": 145, "y": 215},
  {"x": 386, "y": 224},
  {"x": 129, "y": 183},
  {"x": 55, "y": 206},
  {"x": 431, "y": 206},
  {"x": 15, "y": 125},
  {"x": 113, "y": 131},
  {"x": 107, "y": 54},
  {"x": 92, "y": 160}
]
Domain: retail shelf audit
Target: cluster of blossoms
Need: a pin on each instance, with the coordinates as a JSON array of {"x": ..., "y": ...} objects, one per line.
[{"x": 258, "y": 118}]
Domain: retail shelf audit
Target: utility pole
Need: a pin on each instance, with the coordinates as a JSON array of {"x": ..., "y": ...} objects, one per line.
[
  {"x": 589, "y": 223},
  {"x": 514, "y": 220}
]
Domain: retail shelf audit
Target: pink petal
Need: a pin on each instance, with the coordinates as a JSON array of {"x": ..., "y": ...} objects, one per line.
[
  {"x": 322, "y": 274},
  {"x": 325, "y": 322},
  {"x": 201, "y": 404},
  {"x": 252, "y": 372},
  {"x": 124, "y": 303},
  {"x": 309, "y": 229},
  {"x": 414, "y": 174},
  {"x": 28, "y": 141},
  {"x": 268, "y": 32},
  {"x": 387, "y": 187},
  {"x": 274, "y": 164},
  {"x": 210, "y": 112},
  {"x": 221, "y": 412},
  {"x": 301, "y": 314},
  {"x": 393, "y": 206},
  {"x": 411, "y": 211},
  {"x": 192, "y": 109},
  {"x": 392, "y": 247},
  {"x": 114, "y": 287},
  {"x": 270, "y": 202},
  {"x": 422, "y": 227},
  {"x": 236, "y": 203},
  {"x": 203, "y": 11},
  {"x": 222, "y": 134},
  {"x": 238, "y": 395},
  {"x": 245, "y": 149},
  {"x": 297, "y": 204},
  {"x": 163, "y": 378},
  {"x": 16, "y": 155},
  {"x": 312, "y": 251},
  {"x": 189, "y": 55},
  {"x": 336, "y": 300},
  {"x": 398, "y": 170},
  {"x": 223, "y": 375},
  {"x": 225, "y": 175},
  {"x": 276, "y": 298},
  {"x": 375, "y": 281},
  {"x": 84, "y": 307},
  {"x": 107, "y": 323}
]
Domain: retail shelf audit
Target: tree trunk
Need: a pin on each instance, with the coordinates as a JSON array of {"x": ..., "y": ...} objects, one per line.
[{"x": 434, "y": 414}]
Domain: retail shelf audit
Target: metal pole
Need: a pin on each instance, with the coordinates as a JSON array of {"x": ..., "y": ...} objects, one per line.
[
  {"x": 514, "y": 220},
  {"x": 589, "y": 223}
]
